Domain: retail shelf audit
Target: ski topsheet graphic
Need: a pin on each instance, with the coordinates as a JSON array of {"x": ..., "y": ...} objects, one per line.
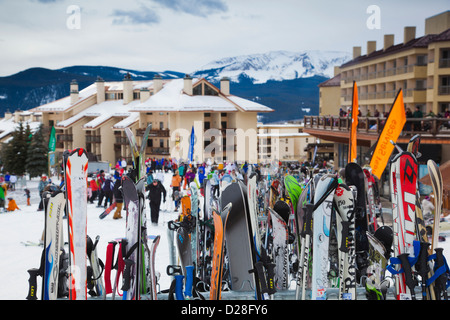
[
  {"x": 52, "y": 244},
  {"x": 403, "y": 184},
  {"x": 76, "y": 190}
]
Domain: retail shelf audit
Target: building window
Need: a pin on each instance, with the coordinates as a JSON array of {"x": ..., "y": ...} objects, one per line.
[
  {"x": 444, "y": 61},
  {"x": 210, "y": 91},
  {"x": 197, "y": 90},
  {"x": 444, "y": 85},
  {"x": 207, "y": 125}
]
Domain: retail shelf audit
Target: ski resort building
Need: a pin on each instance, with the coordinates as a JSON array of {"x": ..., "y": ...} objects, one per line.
[
  {"x": 283, "y": 142},
  {"x": 95, "y": 118},
  {"x": 420, "y": 66}
]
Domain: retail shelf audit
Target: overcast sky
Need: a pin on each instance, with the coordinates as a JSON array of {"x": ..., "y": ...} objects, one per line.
[{"x": 184, "y": 35}]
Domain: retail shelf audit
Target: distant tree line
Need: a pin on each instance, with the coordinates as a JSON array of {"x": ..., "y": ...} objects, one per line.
[{"x": 25, "y": 153}]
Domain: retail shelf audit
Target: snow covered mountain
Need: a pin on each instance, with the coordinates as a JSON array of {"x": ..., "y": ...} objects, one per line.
[{"x": 274, "y": 65}]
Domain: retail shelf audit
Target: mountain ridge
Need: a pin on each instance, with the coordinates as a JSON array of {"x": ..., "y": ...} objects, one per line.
[{"x": 282, "y": 80}]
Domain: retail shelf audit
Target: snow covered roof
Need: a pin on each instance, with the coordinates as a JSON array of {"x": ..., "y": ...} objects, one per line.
[
  {"x": 64, "y": 103},
  {"x": 8, "y": 126},
  {"x": 171, "y": 98},
  {"x": 100, "y": 113}
]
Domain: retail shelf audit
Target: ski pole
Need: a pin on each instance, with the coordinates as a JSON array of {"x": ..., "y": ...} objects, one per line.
[
  {"x": 408, "y": 273},
  {"x": 442, "y": 279},
  {"x": 179, "y": 286},
  {"x": 189, "y": 282},
  {"x": 422, "y": 264},
  {"x": 32, "y": 284},
  {"x": 127, "y": 278}
]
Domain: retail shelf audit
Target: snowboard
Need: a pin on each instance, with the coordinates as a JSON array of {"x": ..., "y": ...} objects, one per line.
[
  {"x": 345, "y": 205},
  {"x": 108, "y": 210},
  {"x": 132, "y": 245},
  {"x": 237, "y": 235},
  {"x": 321, "y": 237}
]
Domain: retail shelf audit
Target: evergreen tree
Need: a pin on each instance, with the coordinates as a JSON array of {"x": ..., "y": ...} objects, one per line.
[
  {"x": 37, "y": 161},
  {"x": 14, "y": 153}
]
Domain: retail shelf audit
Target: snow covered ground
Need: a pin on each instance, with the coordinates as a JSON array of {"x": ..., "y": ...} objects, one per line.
[{"x": 27, "y": 225}]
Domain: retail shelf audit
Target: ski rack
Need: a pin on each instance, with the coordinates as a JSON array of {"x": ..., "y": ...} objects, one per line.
[{"x": 332, "y": 294}]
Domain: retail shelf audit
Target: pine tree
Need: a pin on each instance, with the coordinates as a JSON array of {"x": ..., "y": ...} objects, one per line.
[
  {"x": 37, "y": 161},
  {"x": 14, "y": 153}
]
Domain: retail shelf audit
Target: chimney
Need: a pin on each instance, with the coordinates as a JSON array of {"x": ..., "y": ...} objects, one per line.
[
  {"x": 157, "y": 83},
  {"x": 8, "y": 115},
  {"x": 145, "y": 94},
  {"x": 336, "y": 70},
  {"x": 356, "y": 52},
  {"x": 74, "y": 94},
  {"x": 187, "y": 85},
  {"x": 100, "y": 83},
  {"x": 371, "y": 47},
  {"x": 225, "y": 86},
  {"x": 388, "y": 41},
  {"x": 409, "y": 34},
  {"x": 127, "y": 89}
]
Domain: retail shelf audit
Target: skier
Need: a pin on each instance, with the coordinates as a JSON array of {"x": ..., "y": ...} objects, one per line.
[
  {"x": 156, "y": 189},
  {"x": 2, "y": 199},
  {"x": 27, "y": 193},
  {"x": 12, "y": 205},
  {"x": 176, "y": 185},
  {"x": 107, "y": 188},
  {"x": 42, "y": 184},
  {"x": 118, "y": 196}
]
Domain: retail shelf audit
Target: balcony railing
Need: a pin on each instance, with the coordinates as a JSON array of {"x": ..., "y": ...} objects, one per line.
[
  {"x": 444, "y": 90},
  {"x": 158, "y": 150},
  {"x": 444, "y": 63},
  {"x": 372, "y": 125},
  {"x": 382, "y": 73},
  {"x": 154, "y": 132},
  {"x": 93, "y": 139},
  {"x": 64, "y": 137}
]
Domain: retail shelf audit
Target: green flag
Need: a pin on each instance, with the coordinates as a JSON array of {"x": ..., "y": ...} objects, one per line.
[{"x": 52, "y": 140}]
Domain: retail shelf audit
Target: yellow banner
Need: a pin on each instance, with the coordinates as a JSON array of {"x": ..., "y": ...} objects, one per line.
[
  {"x": 352, "y": 151},
  {"x": 391, "y": 131}
]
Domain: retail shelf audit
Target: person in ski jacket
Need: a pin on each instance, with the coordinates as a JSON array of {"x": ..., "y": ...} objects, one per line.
[
  {"x": 94, "y": 190},
  {"x": 12, "y": 205},
  {"x": 156, "y": 190},
  {"x": 107, "y": 188},
  {"x": 175, "y": 185},
  {"x": 41, "y": 186},
  {"x": 2, "y": 199},
  {"x": 118, "y": 198},
  {"x": 100, "y": 180},
  {"x": 215, "y": 180}
]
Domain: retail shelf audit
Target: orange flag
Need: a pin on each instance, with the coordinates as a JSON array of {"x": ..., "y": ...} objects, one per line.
[
  {"x": 355, "y": 110},
  {"x": 391, "y": 131}
]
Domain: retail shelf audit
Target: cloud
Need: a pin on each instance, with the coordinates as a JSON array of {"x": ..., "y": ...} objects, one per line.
[
  {"x": 201, "y": 8},
  {"x": 47, "y": 1},
  {"x": 140, "y": 16}
]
